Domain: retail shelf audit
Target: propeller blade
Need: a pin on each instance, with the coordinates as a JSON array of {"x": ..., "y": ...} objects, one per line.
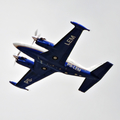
[
  {"x": 16, "y": 57},
  {"x": 33, "y": 42},
  {"x": 35, "y": 37},
  {"x": 36, "y": 32},
  {"x": 39, "y": 36},
  {"x": 18, "y": 53}
]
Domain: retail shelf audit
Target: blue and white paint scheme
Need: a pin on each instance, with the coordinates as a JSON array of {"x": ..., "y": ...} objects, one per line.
[{"x": 55, "y": 59}]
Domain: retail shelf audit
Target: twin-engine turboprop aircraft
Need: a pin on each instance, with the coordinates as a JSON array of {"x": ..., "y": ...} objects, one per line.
[{"x": 56, "y": 60}]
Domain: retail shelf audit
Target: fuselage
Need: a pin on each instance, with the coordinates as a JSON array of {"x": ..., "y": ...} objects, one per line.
[{"x": 70, "y": 67}]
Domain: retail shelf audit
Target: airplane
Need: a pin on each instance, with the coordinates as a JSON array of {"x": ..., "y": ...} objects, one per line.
[{"x": 55, "y": 59}]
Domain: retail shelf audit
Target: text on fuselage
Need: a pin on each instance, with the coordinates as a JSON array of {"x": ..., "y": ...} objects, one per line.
[
  {"x": 70, "y": 40},
  {"x": 74, "y": 67}
]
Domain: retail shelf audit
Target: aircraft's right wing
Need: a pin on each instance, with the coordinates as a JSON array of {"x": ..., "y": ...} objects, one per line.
[{"x": 33, "y": 76}]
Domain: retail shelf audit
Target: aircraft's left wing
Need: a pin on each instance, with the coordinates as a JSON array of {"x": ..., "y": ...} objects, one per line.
[
  {"x": 33, "y": 76},
  {"x": 60, "y": 52}
]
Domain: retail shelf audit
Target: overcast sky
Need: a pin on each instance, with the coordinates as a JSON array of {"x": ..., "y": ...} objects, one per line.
[{"x": 57, "y": 97}]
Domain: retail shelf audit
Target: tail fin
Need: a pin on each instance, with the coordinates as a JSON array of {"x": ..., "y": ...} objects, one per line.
[{"x": 98, "y": 73}]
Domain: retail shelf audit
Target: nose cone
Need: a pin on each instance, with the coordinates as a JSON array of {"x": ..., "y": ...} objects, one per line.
[
  {"x": 35, "y": 38},
  {"x": 16, "y": 44}
]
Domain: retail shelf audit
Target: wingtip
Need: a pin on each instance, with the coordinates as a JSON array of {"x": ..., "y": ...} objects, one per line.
[
  {"x": 81, "y": 90},
  {"x": 79, "y": 26},
  {"x": 14, "y": 83},
  {"x": 26, "y": 89}
]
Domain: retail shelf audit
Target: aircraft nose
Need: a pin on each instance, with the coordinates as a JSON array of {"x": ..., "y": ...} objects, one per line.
[{"x": 16, "y": 44}]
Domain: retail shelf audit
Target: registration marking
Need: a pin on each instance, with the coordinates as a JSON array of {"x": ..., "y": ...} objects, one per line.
[
  {"x": 70, "y": 40},
  {"x": 74, "y": 67},
  {"x": 27, "y": 81}
]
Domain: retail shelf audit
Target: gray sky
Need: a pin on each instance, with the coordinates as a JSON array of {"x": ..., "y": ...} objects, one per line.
[{"x": 57, "y": 97}]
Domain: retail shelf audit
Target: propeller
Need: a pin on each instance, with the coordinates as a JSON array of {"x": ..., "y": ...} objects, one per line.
[
  {"x": 16, "y": 56},
  {"x": 35, "y": 37}
]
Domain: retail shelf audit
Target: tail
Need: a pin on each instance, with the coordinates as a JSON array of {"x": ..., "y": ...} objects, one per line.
[{"x": 97, "y": 74}]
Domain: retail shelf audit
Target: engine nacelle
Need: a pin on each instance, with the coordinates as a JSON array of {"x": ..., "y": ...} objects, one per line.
[
  {"x": 25, "y": 62},
  {"x": 43, "y": 43}
]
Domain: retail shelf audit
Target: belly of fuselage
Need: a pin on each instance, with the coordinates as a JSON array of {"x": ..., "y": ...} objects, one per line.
[{"x": 68, "y": 68}]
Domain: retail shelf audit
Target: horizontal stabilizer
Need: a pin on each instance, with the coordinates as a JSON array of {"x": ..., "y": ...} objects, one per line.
[
  {"x": 88, "y": 83},
  {"x": 102, "y": 70},
  {"x": 97, "y": 74}
]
